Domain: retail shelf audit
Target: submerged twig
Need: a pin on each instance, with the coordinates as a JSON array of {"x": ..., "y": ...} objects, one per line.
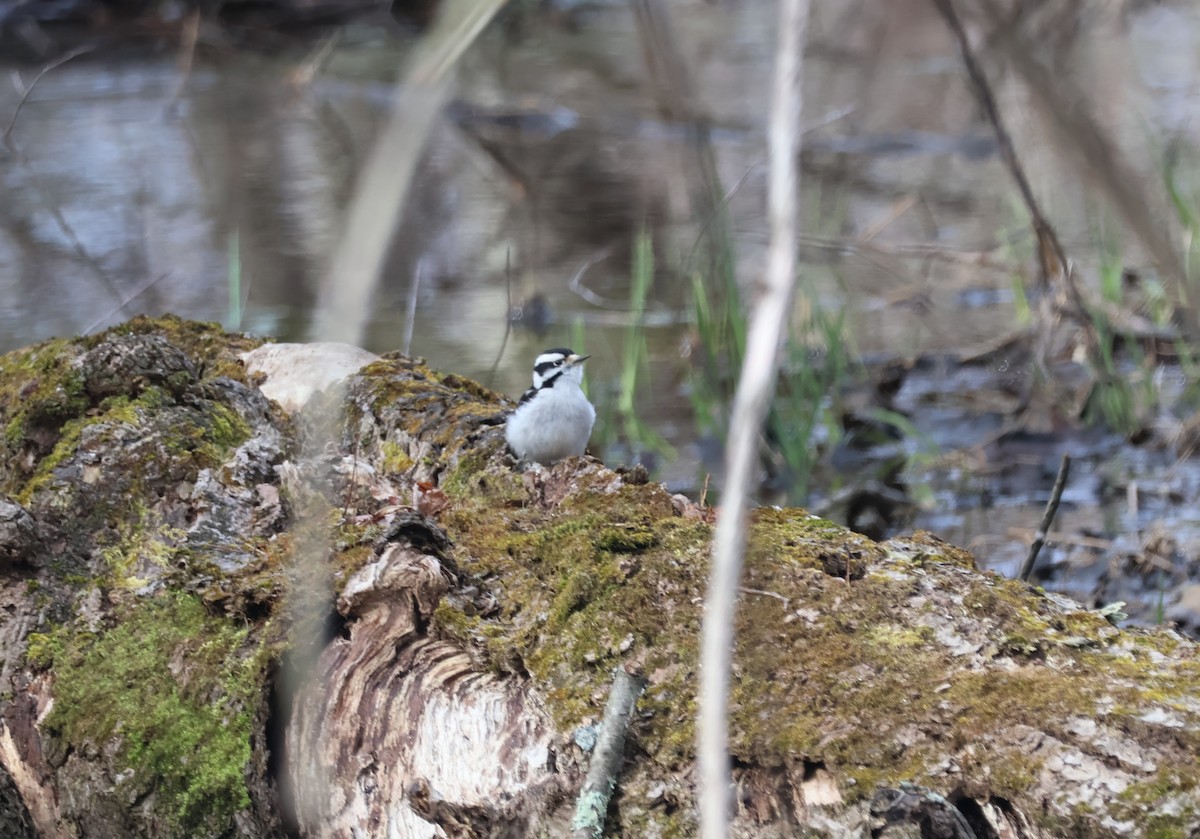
[
  {"x": 1063, "y": 538},
  {"x": 507, "y": 316},
  {"x": 187, "y": 56},
  {"x": 410, "y": 317},
  {"x": 58, "y": 62},
  {"x": 1064, "y": 469},
  {"x": 47, "y": 201},
  {"x": 576, "y": 285},
  {"x": 124, "y": 301},
  {"x": 772, "y": 312},
  {"x": 592, "y": 805},
  {"x": 715, "y": 214},
  {"x": 78, "y": 247}
]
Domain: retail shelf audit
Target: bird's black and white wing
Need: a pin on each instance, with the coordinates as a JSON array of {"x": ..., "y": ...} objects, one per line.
[{"x": 526, "y": 396}]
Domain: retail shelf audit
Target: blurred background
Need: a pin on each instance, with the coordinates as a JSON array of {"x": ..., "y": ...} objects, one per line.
[{"x": 598, "y": 180}]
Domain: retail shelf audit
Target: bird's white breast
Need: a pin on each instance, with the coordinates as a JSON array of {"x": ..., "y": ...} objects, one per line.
[{"x": 555, "y": 424}]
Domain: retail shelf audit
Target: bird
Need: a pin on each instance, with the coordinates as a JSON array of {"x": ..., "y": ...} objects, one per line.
[{"x": 554, "y": 419}]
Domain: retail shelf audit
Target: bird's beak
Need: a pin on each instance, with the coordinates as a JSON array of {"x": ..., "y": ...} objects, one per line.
[{"x": 576, "y": 360}]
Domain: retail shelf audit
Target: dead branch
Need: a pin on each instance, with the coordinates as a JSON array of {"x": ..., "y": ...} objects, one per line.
[
  {"x": 1039, "y": 539},
  {"x": 592, "y": 804}
]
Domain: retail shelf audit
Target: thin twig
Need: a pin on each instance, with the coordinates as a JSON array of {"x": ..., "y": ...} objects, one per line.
[
  {"x": 1061, "y": 537},
  {"x": 715, "y": 214},
  {"x": 894, "y": 212},
  {"x": 1039, "y": 538},
  {"x": 1131, "y": 508},
  {"x": 58, "y": 62},
  {"x": 1066, "y": 109},
  {"x": 767, "y": 329},
  {"x": 126, "y": 299},
  {"x": 507, "y": 316},
  {"x": 762, "y": 593},
  {"x": 77, "y": 245},
  {"x": 411, "y": 315},
  {"x": 576, "y": 285},
  {"x": 592, "y": 805},
  {"x": 302, "y": 76},
  {"x": 1052, "y": 259},
  {"x": 983, "y": 92},
  {"x": 187, "y": 56}
]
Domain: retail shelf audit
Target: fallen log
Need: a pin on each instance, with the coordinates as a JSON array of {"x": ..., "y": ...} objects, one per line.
[{"x": 148, "y": 514}]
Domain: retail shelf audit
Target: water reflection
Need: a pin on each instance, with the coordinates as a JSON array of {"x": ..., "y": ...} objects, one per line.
[{"x": 224, "y": 203}]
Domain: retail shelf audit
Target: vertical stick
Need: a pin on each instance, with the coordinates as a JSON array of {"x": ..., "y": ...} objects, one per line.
[
  {"x": 410, "y": 318},
  {"x": 1064, "y": 469},
  {"x": 756, "y": 385}
]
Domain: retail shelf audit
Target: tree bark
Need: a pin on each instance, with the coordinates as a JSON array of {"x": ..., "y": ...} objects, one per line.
[{"x": 148, "y": 510}]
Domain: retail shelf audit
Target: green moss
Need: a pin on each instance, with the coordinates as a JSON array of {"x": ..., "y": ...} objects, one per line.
[
  {"x": 226, "y": 429},
  {"x": 890, "y": 636},
  {"x": 932, "y": 549},
  {"x": 41, "y": 388},
  {"x": 607, "y": 577},
  {"x": 206, "y": 438},
  {"x": 470, "y": 480},
  {"x": 462, "y": 479},
  {"x": 627, "y": 537},
  {"x": 1015, "y": 772},
  {"x": 1143, "y": 803},
  {"x": 215, "y": 350},
  {"x": 418, "y": 402},
  {"x": 174, "y": 690},
  {"x": 395, "y": 459},
  {"x": 568, "y": 577},
  {"x": 44, "y": 405},
  {"x": 140, "y": 548},
  {"x": 198, "y": 438},
  {"x": 42, "y": 648},
  {"x": 66, "y": 446}
]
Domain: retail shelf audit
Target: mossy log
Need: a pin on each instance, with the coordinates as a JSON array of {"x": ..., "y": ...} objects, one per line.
[{"x": 148, "y": 518}]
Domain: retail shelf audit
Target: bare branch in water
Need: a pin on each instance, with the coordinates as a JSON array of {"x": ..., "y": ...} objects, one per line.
[{"x": 1064, "y": 469}]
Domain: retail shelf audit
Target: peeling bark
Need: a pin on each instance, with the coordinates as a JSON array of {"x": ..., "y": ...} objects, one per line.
[{"x": 429, "y": 739}]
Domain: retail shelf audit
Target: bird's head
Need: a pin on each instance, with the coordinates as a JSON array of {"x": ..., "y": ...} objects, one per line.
[{"x": 558, "y": 363}]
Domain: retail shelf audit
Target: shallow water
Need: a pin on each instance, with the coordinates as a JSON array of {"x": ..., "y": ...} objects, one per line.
[{"x": 220, "y": 196}]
